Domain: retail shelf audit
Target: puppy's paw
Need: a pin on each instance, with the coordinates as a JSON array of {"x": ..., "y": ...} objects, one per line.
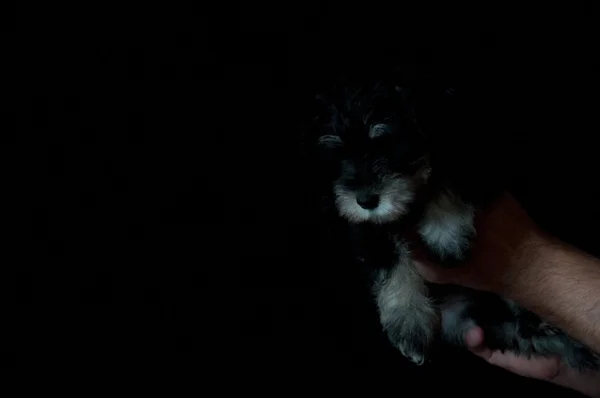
[
  {"x": 414, "y": 334},
  {"x": 454, "y": 256},
  {"x": 447, "y": 228},
  {"x": 413, "y": 348},
  {"x": 451, "y": 245}
]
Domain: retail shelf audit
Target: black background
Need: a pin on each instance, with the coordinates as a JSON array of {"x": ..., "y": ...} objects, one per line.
[{"x": 168, "y": 229}]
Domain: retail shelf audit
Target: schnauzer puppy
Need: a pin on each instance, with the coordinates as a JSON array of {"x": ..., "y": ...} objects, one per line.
[{"x": 387, "y": 180}]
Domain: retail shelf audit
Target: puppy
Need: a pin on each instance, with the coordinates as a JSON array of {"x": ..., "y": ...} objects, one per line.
[{"x": 387, "y": 178}]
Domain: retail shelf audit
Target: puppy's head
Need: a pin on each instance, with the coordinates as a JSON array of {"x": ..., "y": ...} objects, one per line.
[{"x": 376, "y": 154}]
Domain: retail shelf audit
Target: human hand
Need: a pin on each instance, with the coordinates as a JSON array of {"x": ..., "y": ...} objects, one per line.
[
  {"x": 542, "y": 368},
  {"x": 503, "y": 253}
]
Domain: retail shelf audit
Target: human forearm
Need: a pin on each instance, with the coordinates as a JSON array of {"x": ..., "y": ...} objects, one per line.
[
  {"x": 513, "y": 258},
  {"x": 562, "y": 285}
]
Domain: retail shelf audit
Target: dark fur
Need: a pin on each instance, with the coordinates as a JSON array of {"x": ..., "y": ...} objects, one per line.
[{"x": 419, "y": 176}]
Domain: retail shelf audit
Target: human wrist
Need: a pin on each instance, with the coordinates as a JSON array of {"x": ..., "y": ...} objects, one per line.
[{"x": 531, "y": 263}]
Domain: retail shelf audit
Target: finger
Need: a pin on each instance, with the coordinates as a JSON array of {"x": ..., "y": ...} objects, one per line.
[
  {"x": 474, "y": 341},
  {"x": 543, "y": 368},
  {"x": 426, "y": 266},
  {"x": 474, "y": 337},
  {"x": 433, "y": 273}
]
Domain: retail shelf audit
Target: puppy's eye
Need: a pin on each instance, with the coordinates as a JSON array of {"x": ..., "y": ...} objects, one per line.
[
  {"x": 405, "y": 157},
  {"x": 378, "y": 131},
  {"x": 330, "y": 141},
  {"x": 380, "y": 165}
]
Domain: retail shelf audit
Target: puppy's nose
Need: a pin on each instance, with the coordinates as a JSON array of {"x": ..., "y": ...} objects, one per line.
[{"x": 368, "y": 201}]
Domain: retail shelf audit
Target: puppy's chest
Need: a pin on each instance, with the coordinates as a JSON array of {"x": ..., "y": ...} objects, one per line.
[{"x": 375, "y": 246}]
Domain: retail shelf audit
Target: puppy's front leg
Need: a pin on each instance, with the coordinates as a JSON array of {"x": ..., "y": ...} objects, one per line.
[
  {"x": 447, "y": 226},
  {"x": 406, "y": 313}
]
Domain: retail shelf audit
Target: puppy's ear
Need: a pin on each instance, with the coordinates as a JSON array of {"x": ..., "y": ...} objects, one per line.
[{"x": 312, "y": 126}]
